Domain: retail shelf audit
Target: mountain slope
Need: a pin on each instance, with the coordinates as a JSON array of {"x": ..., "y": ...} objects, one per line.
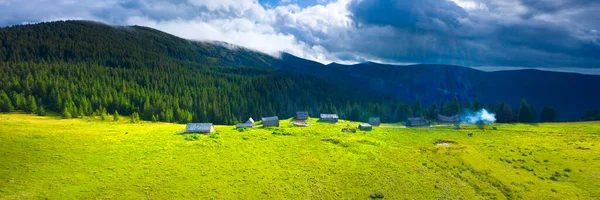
[
  {"x": 86, "y": 68},
  {"x": 572, "y": 94}
]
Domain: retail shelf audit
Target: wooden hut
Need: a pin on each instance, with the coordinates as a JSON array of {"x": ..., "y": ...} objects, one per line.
[
  {"x": 365, "y": 127},
  {"x": 375, "y": 121},
  {"x": 302, "y": 115},
  {"x": 451, "y": 119},
  {"x": 270, "y": 121},
  {"x": 416, "y": 121},
  {"x": 205, "y": 128},
  {"x": 329, "y": 118},
  {"x": 247, "y": 124},
  {"x": 244, "y": 125}
]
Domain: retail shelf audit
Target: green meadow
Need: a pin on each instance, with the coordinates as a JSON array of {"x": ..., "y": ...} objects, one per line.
[{"x": 52, "y": 158}]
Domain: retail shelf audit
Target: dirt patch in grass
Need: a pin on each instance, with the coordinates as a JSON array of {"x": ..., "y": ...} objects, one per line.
[{"x": 444, "y": 143}]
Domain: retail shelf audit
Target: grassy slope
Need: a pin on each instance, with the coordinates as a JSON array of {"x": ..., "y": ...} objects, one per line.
[{"x": 44, "y": 157}]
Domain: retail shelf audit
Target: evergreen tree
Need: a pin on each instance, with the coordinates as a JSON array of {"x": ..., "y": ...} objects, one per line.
[
  {"x": 103, "y": 114},
  {"x": 525, "y": 115},
  {"x": 31, "y": 105},
  {"x": 5, "y": 102},
  {"x": 548, "y": 114},
  {"x": 504, "y": 113},
  {"x": 591, "y": 115},
  {"x": 417, "y": 109},
  {"x": 135, "y": 118},
  {"x": 66, "y": 114},
  {"x": 40, "y": 111},
  {"x": 477, "y": 105},
  {"x": 116, "y": 116}
]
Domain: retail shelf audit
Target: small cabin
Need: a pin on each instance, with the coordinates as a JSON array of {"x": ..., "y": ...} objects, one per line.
[
  {"x": 451, "y": 119},
  {"x": 247, "y": 124},
  {"x": 375, "y": 121},
  {"x": 244, "y": 125},
  {"x": 250, "y": 121},
  {"x": 365, "y": 127},
  {"x": 205, "y": 128},
  {"x": 302, "y": 115},
  {"x": 329, "y": 118},
  {"x": 416, "y": 121},
  {"x": 270, "y": 121}
]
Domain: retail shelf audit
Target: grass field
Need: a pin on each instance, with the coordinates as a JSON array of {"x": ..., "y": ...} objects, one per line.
[{"x": 47, "y": 157}]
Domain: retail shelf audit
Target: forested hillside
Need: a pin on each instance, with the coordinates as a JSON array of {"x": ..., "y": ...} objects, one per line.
[
  {"x": 571, "y": 94},
  {"x": 81, "y": 68}
]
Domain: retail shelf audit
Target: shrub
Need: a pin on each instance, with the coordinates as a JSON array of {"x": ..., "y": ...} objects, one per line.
[
  {"x": 281, "y": 132},
  {"x": 377, "y": 195}
]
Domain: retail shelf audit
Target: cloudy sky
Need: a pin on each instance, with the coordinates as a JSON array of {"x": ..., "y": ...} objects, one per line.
[{"x": 560, "y": 34}]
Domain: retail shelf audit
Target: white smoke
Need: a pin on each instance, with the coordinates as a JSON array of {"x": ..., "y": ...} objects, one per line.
[{"x": 482, "y": 116}]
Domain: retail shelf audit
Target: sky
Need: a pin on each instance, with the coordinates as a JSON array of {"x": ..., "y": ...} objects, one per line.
[{"x": 490, "y": 34}]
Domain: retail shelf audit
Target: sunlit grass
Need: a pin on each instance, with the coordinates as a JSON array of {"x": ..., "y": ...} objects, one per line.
[{"x": 46, "y": 157}]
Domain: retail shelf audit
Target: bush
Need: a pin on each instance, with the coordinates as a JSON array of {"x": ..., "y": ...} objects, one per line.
[
  {"x": 281, "y": 132},
  {"x": 377, "y": 195}
]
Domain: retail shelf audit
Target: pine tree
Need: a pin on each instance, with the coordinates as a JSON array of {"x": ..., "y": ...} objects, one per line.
[
  {"x": 103, "y": 114},
  {"x": 40, "y": 111},
  {"x": 5, "y": 103},
  {"x": 31, "y": 105},
  {"x": 135, "y": 118},
  {"x": 116, "y": 116},
  {"x": 548, "y": 114},
  {"x": 476, "y": 105},
  {"x": 66, "y": 114},
  {"x": 525, "y": 115}
]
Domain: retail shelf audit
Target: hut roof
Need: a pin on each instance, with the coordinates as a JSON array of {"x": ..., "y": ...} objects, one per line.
[
  {"x": 250, "y": 121},
  {"x": 365, "y": 126},
  {"x": 199, "y": 127},
  {"x": 329, "y": 116},
  {"x": 274, "y": 118}
]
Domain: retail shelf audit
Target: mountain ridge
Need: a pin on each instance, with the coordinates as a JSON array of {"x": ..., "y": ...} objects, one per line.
[{"x": 138, "y": 47}]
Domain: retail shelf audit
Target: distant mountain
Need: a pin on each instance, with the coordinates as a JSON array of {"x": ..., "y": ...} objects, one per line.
[{"x": 570, "y": 93}]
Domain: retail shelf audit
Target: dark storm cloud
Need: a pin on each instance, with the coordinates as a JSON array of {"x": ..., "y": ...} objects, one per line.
[
  {"x": 411, "y": 14},
  {"x": 440, "y": 31}
]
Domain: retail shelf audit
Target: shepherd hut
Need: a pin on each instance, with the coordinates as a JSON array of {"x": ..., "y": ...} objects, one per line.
[
  {"x": 416, "y": 121},
  {"x": 270, "y": 121},
  {"x": 302, "y": 115},
  {"x": 365, "y": 127},
  {"x": 375, "y": 121},
  {"x": 248, "y": 124},
  {"x": 329, "y": 118},
  {"x": 205, "y": 128}
]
